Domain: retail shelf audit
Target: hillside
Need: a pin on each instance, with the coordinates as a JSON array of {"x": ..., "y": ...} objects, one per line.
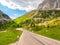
[
  {"x": 35, "y": 18},
  {"x": 46, "y": 23},
  {"x": 45, "y": 20},
  {"x": 26, "y": 16}
]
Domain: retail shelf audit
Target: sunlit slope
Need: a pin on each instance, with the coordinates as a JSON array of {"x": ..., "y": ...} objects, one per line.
[
  {"x": 25, "y": 17},
  {"x": 38, "y": 17},
  {"x": 49, "y": 14}
]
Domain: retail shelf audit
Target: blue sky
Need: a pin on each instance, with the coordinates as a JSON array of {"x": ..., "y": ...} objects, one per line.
[
  {"x": 12, "y": 13},
  {"x": 16, "y": 8}
]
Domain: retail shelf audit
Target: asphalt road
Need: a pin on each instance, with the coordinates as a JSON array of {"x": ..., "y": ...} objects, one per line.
[{"x": 29, "y": 38}]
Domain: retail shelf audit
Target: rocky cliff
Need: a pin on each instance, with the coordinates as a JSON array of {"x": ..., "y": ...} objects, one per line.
[{"x": 49, "y": 5}]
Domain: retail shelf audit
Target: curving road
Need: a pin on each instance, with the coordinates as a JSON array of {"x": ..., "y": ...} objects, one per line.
[{"x": 29, "y": 38}]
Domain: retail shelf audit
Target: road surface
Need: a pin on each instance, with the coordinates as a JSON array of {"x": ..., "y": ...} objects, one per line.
[{"x": 29, "y": 38}]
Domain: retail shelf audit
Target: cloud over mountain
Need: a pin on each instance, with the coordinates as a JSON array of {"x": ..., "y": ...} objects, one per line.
[{"x": 21, "y": 4}]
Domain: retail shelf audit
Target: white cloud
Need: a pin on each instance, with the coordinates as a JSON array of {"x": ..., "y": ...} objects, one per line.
[
  {"x": 14, "y": 16},
  {"x": 21, "y": 4}
]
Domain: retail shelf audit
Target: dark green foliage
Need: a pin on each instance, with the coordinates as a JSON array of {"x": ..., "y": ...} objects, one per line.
[
  {"x": 3, "y": 24},
  {"x": 0, "y": 25},
  {"x": 11, "y": 25},
  {"x": 8, "y": 25},
  {"x": 36, "y": 28}
]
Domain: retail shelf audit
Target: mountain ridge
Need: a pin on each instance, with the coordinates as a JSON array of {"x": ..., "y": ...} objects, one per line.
[
  {"x": 49, "y": 5},
  {"x": 4, "y": 16}
]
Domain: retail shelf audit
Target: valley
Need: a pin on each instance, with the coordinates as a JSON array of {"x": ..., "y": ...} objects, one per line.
[{"x": 44, "y": 21}]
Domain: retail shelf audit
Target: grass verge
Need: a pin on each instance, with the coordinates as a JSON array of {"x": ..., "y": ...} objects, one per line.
[
  {"x": 8, "y": 37},
  {"x": 52, "y": 32}
]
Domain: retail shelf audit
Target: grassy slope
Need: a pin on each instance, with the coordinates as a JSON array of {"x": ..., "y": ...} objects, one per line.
[
  {"x": 53, "y": 32},
  {"x": 9, "y": 37},
  {"x": 24, "y": 17}
]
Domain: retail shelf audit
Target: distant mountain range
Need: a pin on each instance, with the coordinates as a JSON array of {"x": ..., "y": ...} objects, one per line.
[
  {"x": 4, "y": 17},
  {"x": 49, "y": 5}
]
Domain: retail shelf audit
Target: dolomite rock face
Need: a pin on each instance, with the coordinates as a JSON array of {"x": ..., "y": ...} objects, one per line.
[{"x": 49, "y": 4}]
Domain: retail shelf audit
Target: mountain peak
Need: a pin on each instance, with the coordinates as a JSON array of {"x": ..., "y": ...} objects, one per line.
[
  {"x": 49, "y": 4},
  {"x": 4, "y": 16}
]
